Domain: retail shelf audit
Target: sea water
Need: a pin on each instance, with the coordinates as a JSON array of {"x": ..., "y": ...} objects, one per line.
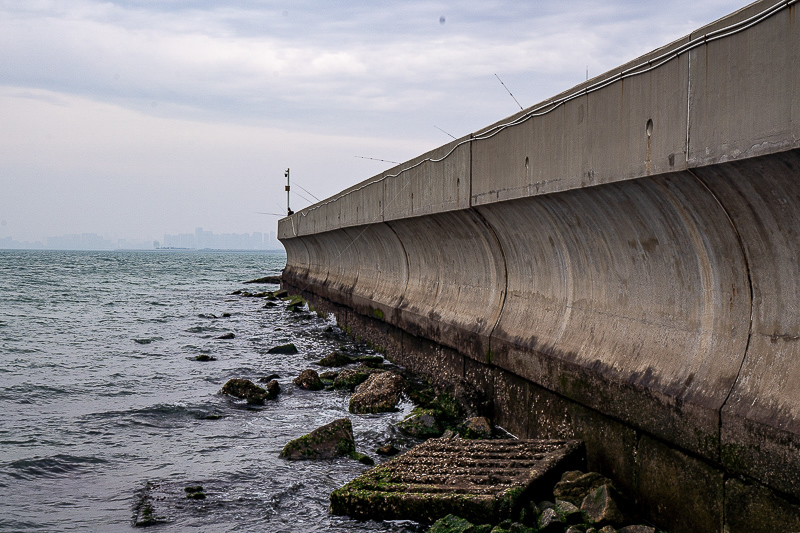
[{"x": 102, "y": 401}]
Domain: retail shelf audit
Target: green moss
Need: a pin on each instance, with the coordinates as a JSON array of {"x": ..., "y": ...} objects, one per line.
[
  {"x": 508, "y": 503},
  {"x": 488, "y": 357},
  {"x": 447, "y": 405},
  {"x": 362, "y": 458},
  {"x": 377, "y": 313}
]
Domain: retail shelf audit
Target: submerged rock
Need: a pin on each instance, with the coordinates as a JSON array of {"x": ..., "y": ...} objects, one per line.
[
  {"x": 309, "y": 380},
  {"x": 246, "y": 389},
  {"x": 265, "y": 279},
  {"x": 331, "y": 440},
  {"x": 227, "y": 336},
  {"x": 205, "y": 357},
  {"x": 273, "y": 388},
  {"x": 335, "y": 359},
  {"x": 379, "y": 393},
  {"x": 288, "y": 348},
  {"x": 387, "y": 450}
]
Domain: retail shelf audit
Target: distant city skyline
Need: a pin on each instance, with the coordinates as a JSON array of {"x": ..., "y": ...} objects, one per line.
[{"x": 200, "y": 239}]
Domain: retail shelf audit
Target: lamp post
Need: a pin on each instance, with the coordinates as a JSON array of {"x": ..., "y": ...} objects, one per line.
[{"x": 288, "y": 209}]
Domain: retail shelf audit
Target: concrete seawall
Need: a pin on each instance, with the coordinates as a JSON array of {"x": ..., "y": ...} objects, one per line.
[{"x": 618, "y": 264}]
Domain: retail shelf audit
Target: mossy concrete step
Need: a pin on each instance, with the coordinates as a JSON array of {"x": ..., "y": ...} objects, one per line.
[{"x": 480, "y": 480}]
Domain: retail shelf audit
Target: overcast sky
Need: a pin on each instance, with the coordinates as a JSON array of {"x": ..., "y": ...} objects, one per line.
[{"x": 139, "y": 118}]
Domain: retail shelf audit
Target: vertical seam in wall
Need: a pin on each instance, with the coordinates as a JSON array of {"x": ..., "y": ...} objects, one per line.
[
  {"x": 688, "y": 99},
  {"x": 408, "y": 269},
  {"x": 470, "y": 169},
  {"x": 740, "y": 241}
]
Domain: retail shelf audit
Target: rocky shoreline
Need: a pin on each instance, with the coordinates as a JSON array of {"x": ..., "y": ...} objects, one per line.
[{"x": 579, "y": 503}]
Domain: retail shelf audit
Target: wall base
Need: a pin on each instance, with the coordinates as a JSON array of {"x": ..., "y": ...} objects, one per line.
[{"x": 672, "y": 488}]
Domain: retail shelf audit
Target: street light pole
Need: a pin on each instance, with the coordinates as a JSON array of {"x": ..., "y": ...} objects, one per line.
[{"x": 288, "y": 209}]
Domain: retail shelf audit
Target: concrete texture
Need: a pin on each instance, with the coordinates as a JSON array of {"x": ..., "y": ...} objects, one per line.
[{"x": 626, "y": 250}]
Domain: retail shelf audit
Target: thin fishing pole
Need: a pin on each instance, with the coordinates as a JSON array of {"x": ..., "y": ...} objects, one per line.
[
  {"x": 440, "y": 129},
  {"x": 509, "y": 92},
  {"x": 373, "y": 159}
]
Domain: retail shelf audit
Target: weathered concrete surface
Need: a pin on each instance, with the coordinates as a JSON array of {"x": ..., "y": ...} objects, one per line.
[
  {"x": 624, "y": 253},
  {"x": 480, "y": 480}
]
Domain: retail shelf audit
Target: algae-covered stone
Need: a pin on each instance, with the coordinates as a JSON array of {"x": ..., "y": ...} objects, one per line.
[
  {"x": 362, "y": 458},
  {"x": 245, "y": 389},
  {"x": 575, "y": 485},
  {"x": 637, "y": 529},
  {"x": 550, "y": 522},
  {"x": 421, "y": 423},
  {"x": 331, "y": 440},
  {"x": 452, "y": 524},
  {"x": 378, "y": 394},
  {"x": 309, "y": 380},
  {"x": 334, "y": 359},
  {"x": 477, "y": 427},
  {"x": 273, "y": 388},
  {"x": 288, "y": 348},
  {"x": 568, "y": 512},
  {"x": 387, "y": 450},
  {"x": 352, "y": 377},
  {"x": 600, "y": 507}
]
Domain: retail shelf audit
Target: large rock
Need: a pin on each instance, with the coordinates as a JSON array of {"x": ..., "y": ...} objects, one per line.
[
  {"x": 600, "y": 507},
  {"x": 350, "y": 378},
  {"x": 576, "y": 485},
  {"x": 421, "y": 423},
  {"x": 246, "y": 389},
  {"x": 331, "y": 440},
  {"x": 309, "y": 380},
  {"x": 378, "y": 394}
]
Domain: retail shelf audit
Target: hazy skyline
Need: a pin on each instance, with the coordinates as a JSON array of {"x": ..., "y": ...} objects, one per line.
[{"x": 137, "y": 119}]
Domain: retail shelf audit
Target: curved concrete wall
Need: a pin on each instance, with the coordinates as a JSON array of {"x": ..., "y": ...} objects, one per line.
[
  {"x": 603, "y": 307},
  {"x": 630, "y": 246}
]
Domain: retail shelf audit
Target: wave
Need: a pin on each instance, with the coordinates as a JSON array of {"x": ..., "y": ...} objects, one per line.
[
  {"x": 147, "y": 340},
  {"x": 50, "y": 467},
  {"x": 160, "y": 415}
]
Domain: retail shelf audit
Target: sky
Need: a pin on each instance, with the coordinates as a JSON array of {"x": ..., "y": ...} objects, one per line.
[{"x": 133, "y": 119}]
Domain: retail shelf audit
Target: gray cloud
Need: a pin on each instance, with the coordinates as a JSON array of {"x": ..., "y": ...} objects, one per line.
[{"x": 166, "y": 107}]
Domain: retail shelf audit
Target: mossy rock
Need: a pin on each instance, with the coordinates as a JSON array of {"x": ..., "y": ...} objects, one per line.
[
  {"x": 309, "y": 380},
  {"x": 447, "y": 405},
  {"x": 331, "y": 440},
  {"x": 380, "y": 393},
  {"x": 452, "y": 524},
  {"x": 422, "y": 424},
  {"x": 362, "y": 458},
  {"x": 246, "y": 389},
  {"x": 372, "y": 361},
  {"x": 335, "y": 359},
  {"x": 288, "y": 349},
  {"x": 350, "y": 378}
]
